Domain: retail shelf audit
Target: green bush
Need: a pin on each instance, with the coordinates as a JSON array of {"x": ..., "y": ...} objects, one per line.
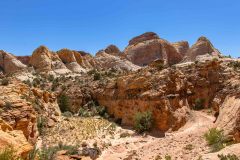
[
  {"x": 63, "y": 102},
  {"x": 199, "y": 104},
  {"x": 33, "y": 154},
  {"x": 143, "y": 121},
  {"x": 168, "y": 157},
  {"x": 235, "y": 65},
  {"x": 5, "y": 81},
  {"x": 67, "y": 114},
  {"x": 160, "y": 66},
  {"x": 50, "y": 78},
  {"x": 215, "y": 139},
  {"x": 93, "y": 109},
  {"x": 8, "y": 153},
  {"x": 228, "y": 157},
  {"x": 8, "y": 105},
  {"x": 41, "y": 124},
  {"x": 97, "y": 76},
  {"x": 49, "y": 153}
]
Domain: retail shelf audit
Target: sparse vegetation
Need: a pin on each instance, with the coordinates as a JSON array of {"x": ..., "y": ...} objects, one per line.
[
  {"x": 41, "y": 124},
  {"x": 93, "y": 109},
  {"x": 63, "y": 102},
  {"x": 160, "y": 66},
  {"x": 189, "y": 147},
  {"x": 215, "y": 139},
  {"x": 97, "y": 76},
  {"x": 228, "y": 157},
  {"x": 49, "y": 152},
  {"x": 5, "y": 81},
  {"x": 8, "y": 105},
  {"x": 199, "y": 104},
  {"x": 168, "y": 157},
  {"x": 8, "y": 153},
  {"x": 235, "y": 65},
  {"x": 143, "y": 121},
  {"x": 67, "y": 114},
  {"x": 124, "y": 135},
  {"x": 33, "y": 154}
]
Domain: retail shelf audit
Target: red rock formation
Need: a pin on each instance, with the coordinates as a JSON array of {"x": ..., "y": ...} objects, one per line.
[
  {"x": 181, "y": 47},
  {"x": 148, "y": 47},
  {"x": 9, "y": 63},
  {"x": 201, "y": 47},
  {"x": 113, "y": 50},
  {"x": 143, "y": 37},
  {"x": 24, "y": 59}
]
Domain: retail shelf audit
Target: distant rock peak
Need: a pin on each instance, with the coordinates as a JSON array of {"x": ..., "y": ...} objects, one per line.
[{"x": 143, "y": 37}]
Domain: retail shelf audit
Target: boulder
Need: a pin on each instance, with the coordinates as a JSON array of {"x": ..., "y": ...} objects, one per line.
[{"x": 9, "y": 63}]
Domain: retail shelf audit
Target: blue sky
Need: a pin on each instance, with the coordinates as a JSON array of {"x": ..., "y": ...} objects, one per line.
[{"x": 92, "y": 25}]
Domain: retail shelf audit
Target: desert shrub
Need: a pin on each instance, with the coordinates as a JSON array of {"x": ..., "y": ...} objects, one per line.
[
  {"x": 8, "y": 153},
  {"x": 189, "y": 147},
  {"x": 93, "y": 109},
  {"x": 27, "y": 82},
  {"x": 215, "y": 139},
  {"x": 228, "y": 157},
  {"x": 50, "y": 78},
  {"x": 63, "y": 102},
  {"x": 49, "y": 152},
  {"x": 199, "y": 104},
  {"x": 143, "y": 121},
  {"x": 41, "y": 124},
  {"x": 124, "y": 134},
  {"x": 234, "y": 64},
  {"x": 160, "y": 66},
  {"x": 8, "y": 105},
  {"x": 168, "y": 157},
  {"x": 97, "y": 76},
  {"x": 5, "y": 81},
  {"x": 67, "y": 114},
  {"x": 33, "y": 154},
  {"x": 36, "y": 82}
]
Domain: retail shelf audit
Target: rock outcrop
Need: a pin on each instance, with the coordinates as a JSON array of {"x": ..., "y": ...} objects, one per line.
[
  {"x": 229, "y": 117},
  {"x": 201, "y": 47},
  {"x": 148, "y": 47},
  {"x": 9, "y": 63},
  {"x": 143, "y": 37},
  {"x": 113, "y": 50},
  {"x": 16, "y": 140},
  {"x": 71, "y": 59},
  {"x": 18, "y": 112},
  {"x": 43, "y": 60},
  {"x": 24, "y": 59},
  {"x": 168, "y": 94},
  {"x": 181, "y": 47},
  {"x": 108, "y": 61}
]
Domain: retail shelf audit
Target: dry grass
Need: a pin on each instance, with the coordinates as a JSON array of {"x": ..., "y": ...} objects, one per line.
[{"x": 74, "y": 130}]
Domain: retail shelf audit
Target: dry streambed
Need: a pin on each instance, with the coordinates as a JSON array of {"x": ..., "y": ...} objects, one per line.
[{"x": 118, "y": 143}]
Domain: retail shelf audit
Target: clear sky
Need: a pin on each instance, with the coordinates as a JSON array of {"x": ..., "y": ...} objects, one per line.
[{"x": 92, "y": 25}]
